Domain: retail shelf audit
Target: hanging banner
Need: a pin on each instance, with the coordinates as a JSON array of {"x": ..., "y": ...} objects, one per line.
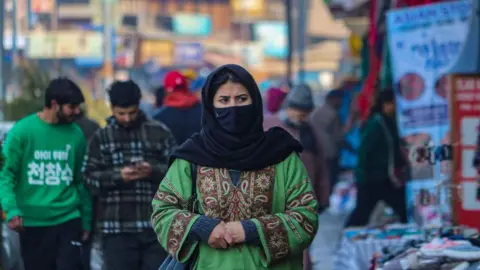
[
  {"x": 465, "y": 127},
  {"x": 426, "y": 44}
]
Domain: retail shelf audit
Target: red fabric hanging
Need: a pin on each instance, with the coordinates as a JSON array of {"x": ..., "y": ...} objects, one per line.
[
  {"x": 365, "y": 98},
  {"x": 412, "y": 3},
  {"x": 368, "y": 90}
]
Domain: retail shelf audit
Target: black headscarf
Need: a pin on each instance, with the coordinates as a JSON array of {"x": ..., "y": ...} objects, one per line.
[{"x": 217, "y": 148}]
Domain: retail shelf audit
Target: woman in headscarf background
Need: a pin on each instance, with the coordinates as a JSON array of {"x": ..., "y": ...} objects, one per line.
[
  {"x": 295, "y": 119},
  {"x": 380, "y": 163},
  {"x": 258, "y": 208}
]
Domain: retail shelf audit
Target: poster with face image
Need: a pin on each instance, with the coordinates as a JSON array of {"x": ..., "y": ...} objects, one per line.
[
  {"x": 465, "y": 127},
  {"x": 427, "y": 43}
]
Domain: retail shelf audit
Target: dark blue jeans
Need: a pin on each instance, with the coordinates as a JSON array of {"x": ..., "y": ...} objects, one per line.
[
  {"x": 132, "y": 251},
  {"x": 86, "y": 253}
]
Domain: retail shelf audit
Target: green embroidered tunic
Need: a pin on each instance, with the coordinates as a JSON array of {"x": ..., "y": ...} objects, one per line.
[{"x": 278, "y": 199}]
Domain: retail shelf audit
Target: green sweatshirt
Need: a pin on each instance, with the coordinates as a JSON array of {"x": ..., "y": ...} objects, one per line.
[{"x": 41, "y": 180}]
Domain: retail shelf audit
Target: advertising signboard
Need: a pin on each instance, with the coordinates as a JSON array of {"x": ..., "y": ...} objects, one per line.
[
  {"x": 192, "y": 24},
  {"x": 427, "y": 43},
  {"x": 464, "y": 100},
  {"x": 189, "y": 53}
]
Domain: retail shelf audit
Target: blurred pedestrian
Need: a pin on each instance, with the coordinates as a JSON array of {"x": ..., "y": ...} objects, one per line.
[
  {"x": 159, "y": 96},
  {"x": 256, "y": 207},
  {"x": 190, "y": 74},
  {"x": 150, "y": 110},
  {"x": 181, "y": 110},
  {"x": 381, "y": 163},
  {"x": 42, "y": 190},
  {"x": 274, "y": 99},
  {"x": 88, "y": 127},
  {"x": 196, "y": 86},
  {"x": 295, "y": 120},
  {"x": 124, "y": 165},
  {"x": 326, "y": 121}
]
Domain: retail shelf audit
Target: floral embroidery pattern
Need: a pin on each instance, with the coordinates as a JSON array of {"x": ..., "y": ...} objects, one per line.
[
  {"x": 276, "y": 236},
  {"x": 222, "y": 199},
  {"x": 169, "y": 199},
  {"x": 177, "y": 231},
  {"x": 302, "y": 200}
]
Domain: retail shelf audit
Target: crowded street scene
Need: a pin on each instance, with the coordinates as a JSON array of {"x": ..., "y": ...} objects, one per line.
[{"x": 240, "y": 134}]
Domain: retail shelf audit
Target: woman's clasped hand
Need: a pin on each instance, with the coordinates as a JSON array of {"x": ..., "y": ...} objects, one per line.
[{"x": 227, "y": 234}]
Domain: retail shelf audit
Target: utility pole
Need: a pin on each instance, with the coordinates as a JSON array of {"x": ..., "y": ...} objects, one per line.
[
  {"x": 302, "y": 36},
  {"x": 29, "y": 15},
  {"x": 54, "y": 27},
  {"x": 14, "y": 33},
  {"x": 107, "y": 33},
  {"x": 2, "y": 60},
  {"x": 289, "y": 22}
]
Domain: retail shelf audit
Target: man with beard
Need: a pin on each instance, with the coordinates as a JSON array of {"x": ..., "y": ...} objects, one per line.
[
  {"x": 125, "y": 163},
  {"x": 41, "y": 187}
]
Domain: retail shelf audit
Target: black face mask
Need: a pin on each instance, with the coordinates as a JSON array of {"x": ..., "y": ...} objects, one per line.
[{"x": 237, "y": 119}]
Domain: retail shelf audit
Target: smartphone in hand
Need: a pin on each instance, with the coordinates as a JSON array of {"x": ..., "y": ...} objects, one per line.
[{"x": 136, "y": 162}]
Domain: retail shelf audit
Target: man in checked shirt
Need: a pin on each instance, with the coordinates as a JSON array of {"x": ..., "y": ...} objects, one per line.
[{"x": 124, "y": 165}]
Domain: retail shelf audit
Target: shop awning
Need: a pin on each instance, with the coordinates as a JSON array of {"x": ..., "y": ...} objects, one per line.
[{"x": 322, "y": 24}]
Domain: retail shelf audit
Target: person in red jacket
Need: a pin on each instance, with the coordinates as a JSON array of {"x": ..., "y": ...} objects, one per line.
[{"x": 179, "y": 103}]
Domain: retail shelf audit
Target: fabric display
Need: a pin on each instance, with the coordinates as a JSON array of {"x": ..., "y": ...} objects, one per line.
[
  {"x": 406, "y": 246},
  {"x": 452, "y": 250},
  {"x": 344, "y": 195},
  {"x": 359, "y": 245}
]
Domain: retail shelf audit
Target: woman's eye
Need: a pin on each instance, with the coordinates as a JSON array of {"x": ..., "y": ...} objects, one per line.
[
  {"x": 242, "y": 99},
  {"x": 223, "y": 100}
]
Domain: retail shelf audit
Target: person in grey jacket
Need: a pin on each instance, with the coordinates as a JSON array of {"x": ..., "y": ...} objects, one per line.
[
  {"x": 326, "y": 122},
  {"x": 88, "y": 127}
]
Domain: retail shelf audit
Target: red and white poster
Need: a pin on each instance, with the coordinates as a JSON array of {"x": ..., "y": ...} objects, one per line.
[{"x": 465, "y": 126}]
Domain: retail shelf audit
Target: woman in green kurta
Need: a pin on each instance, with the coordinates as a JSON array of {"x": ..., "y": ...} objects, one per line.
[{"x": 256, "y": 207}]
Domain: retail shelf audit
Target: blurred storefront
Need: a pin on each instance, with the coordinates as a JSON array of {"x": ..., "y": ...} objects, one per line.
[
  {"x": 189, "y": 53},
  {"x": 64, "y": 44},
  {"x": 159, "y": 51},
  {"x": 191, "y": 24}
]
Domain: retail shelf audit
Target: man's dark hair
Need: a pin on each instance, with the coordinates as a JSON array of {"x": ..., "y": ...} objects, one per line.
[
  {"x": 124, "y": 94},
  {"x": 385, "y": 96},
  {"x": 63, "y": 91}
]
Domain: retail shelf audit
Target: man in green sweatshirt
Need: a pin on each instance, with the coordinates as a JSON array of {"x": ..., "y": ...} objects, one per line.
[{"x": 41, "y": 185}]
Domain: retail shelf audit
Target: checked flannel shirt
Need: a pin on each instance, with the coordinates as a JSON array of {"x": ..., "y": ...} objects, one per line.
[{"x": 126, "y": 207}]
